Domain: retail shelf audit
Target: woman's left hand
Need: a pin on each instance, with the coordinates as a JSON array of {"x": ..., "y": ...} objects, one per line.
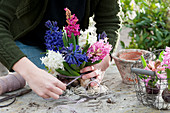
[{"x": 97, "y": 70}]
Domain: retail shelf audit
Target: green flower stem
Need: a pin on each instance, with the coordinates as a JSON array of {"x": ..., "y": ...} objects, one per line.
[{"x": 168, "y": 77}]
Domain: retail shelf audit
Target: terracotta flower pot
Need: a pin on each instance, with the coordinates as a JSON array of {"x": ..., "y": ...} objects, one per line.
[
  {"x": 131, "y": 55},
  {"x": 124, "y": 59}
]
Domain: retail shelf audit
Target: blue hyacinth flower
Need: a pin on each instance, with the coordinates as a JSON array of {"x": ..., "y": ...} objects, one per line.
[
  {"x": 102, "y": 36},
  {"x": 53, "y": 37},
  {"x": 73, "y": 57}
]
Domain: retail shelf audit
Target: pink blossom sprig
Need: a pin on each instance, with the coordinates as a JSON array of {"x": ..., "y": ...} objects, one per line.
[
  {"x": 72, "y": 26},
  {"x": 158, "y": 68},
  {"x": 166, "y": 58},
  {"x": 98, "y": 50}
]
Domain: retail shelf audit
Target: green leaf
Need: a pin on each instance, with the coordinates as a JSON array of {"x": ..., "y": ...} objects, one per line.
[
  {"x": 167, "y": 38},
  {"x": 166, "y": 32},
  {"x": 63, "y": 72},
  {"x": 141, "y": 76},
  {"x": 159, "y": 44},
  {"x": 85, "y": 48},
  {"x": 142, "y": 23},
  {"x": 90, "y": 63},
  {"x": 82, "y": 65},
  {"x": 122, "y": 44},
  {"x": 65, "y": 41},
  {"x": 151, "y": 28},
  {"x": 161, "y": 56},
  {"x": 73, "y": 41},
  {"x": 87, "y": 37},
  {"x": 158, "y": 34},
  {"x": 70, "y": 70},
  {"x": 47, "y": 67},
  {"x": 137, "y": 38},
  {"x": 154, "y": 37},
  {"x": 75, "y": 67},
  {"x": 143, "y": 61},
  {"x": 131, "y": 34},
  {"x": 145, "y": 34},
  {"x": 168, "y": 77},
  {"x": 77, "y": 40},
  {"x": 146, "y": 18}
]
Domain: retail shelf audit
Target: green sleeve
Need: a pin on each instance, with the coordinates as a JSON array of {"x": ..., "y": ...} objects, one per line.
[
  {"x": 9, "y": 52},
  {"x": 107, "y": 19}
]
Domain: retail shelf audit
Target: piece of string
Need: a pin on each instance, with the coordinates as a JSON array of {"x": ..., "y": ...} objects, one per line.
[
  {"x": 59, "y": 108},
  {"x": 14, "y": 99}
]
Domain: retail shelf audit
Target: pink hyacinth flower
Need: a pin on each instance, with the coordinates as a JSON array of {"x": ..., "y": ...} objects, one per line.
[
  {"x": 98, "y": 50},
  {"x": 72, "y": 26}
]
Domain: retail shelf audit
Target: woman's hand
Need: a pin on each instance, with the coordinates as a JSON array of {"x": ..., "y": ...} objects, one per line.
[
  {"x": 98, "y": 70},
  {"x": 40, "y": 81}
]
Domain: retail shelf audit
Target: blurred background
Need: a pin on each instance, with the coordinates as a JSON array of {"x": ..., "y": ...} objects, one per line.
[{"x": 145, "y": 24}]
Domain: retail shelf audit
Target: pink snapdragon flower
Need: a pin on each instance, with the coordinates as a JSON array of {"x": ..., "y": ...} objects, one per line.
[
  {"x": 98, "y": 50},
  {"x": 166, "y": 58},
  {"x": 72, "y": 26}
]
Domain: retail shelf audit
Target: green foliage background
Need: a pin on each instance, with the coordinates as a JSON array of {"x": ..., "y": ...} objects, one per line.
[{"x": 149, "y": 21}]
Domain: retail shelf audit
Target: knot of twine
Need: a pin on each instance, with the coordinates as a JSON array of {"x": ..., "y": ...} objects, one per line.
[{"x": 87, "y": 94}]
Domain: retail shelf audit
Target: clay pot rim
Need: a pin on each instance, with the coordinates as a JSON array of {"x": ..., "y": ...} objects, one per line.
[{"x": 115, "y": 56}]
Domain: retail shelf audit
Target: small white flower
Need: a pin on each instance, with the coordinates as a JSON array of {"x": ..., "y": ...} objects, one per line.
[
  {"x": 53, "y": 60},
  {"x": 158, "y": 5},
  {"x": 131, "y": 15},
  {"x": 142, "y": 10},
  {"x": 134, "y": 5}
]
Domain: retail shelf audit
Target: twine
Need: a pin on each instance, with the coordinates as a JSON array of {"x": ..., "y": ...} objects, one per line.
[{"x": 59, "y": 108}]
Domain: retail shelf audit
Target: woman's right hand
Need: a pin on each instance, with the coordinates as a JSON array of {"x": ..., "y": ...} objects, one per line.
[{"x": 40, "y": 81}]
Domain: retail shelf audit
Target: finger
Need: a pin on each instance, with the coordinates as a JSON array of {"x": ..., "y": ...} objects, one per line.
[
  {"x": 55, "y": 89},
  {"x": 45, "y": 96},
  {"x": 53, "y": 95},
  {"x": 86, "y": 69},
  {"x": 90, "y": 75},
  {"x": 60, "y": 84},
  {"x": 98, "y": 79}
]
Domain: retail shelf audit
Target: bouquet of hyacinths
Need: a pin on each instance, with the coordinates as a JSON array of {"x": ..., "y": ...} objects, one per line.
[{"x": 69, "y": 50}]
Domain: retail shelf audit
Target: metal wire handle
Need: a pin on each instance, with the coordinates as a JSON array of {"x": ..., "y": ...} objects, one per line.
[{"x": 142, "y": 71}]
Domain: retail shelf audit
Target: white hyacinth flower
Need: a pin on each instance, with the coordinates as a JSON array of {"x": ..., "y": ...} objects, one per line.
[
  {"x": 53, "y": 60},
  {"x": 91, "y": 31}
]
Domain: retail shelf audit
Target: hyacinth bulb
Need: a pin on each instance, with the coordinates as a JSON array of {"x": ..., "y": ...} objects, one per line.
[
  {"x": 166, "y": 95},
  {"x": 152, "y": 90}
]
